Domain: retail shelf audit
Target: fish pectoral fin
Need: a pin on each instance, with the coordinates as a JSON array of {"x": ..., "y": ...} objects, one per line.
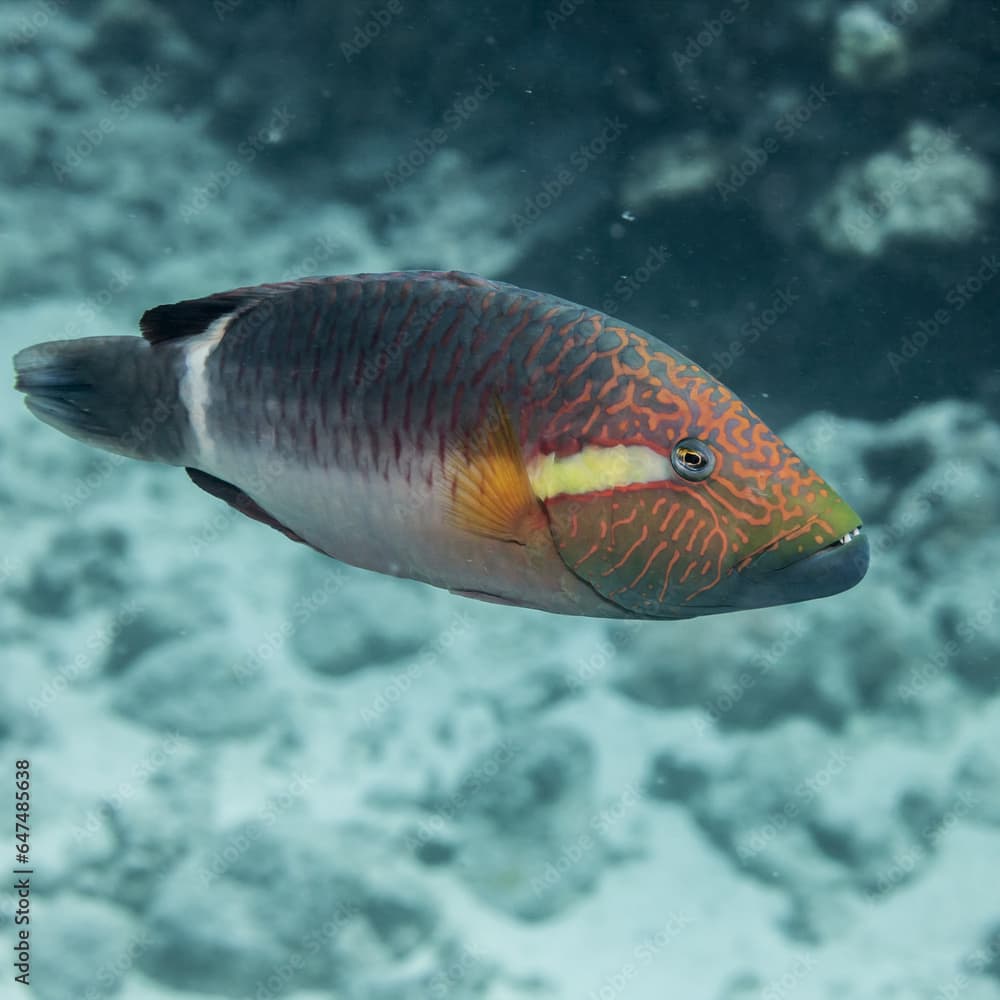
[
  {"x": 239, "y": 500},
  {"x": 488, "y": 490}
]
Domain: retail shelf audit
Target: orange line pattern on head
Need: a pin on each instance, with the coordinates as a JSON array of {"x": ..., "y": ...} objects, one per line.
[{"x": 627, "y": 390}]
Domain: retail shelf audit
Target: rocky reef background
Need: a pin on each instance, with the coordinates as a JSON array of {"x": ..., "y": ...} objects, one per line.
[{"x": 258, "y": 773}]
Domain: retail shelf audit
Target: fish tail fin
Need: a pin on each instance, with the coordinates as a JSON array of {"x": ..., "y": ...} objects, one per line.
[{"x": 116, "y": 393}]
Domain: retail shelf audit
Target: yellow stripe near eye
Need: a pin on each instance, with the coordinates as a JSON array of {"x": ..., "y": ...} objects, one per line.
[{"x": 593, "y": 468}]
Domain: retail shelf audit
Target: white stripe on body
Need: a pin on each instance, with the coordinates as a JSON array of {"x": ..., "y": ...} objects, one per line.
[{"x": 194, "y": 387}]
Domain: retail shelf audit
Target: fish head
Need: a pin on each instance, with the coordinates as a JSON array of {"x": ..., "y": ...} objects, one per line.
[{"x": 677, "y": 500}]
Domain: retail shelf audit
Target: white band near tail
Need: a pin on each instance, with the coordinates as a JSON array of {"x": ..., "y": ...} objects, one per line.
[{"x": 194, "y": 387}]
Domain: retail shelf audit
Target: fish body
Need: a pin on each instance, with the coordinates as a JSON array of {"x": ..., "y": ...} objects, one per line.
[{"x": 498, "y": 442}]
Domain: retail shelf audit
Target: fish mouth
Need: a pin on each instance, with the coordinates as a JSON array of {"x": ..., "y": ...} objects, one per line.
[{"x": 830, "y": 570}]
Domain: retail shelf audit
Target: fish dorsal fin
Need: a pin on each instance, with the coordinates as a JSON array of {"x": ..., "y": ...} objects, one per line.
[
  {"x": 239, "y": 500},
  {"x": 193, "y": 316},
  {"x": 489, "y": 493}
]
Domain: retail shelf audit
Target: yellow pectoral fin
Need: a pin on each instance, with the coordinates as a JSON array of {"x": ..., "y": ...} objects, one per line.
[{"x": 489, "y": 492}]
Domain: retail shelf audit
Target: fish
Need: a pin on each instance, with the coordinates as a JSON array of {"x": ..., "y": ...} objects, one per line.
[{"x": 504, "y": 444}]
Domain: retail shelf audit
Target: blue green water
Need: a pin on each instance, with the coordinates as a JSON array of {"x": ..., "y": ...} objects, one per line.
[{"x": 255, "y": 772}]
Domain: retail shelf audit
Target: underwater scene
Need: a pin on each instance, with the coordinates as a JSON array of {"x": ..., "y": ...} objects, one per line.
[{"x": 502, "y": 501}]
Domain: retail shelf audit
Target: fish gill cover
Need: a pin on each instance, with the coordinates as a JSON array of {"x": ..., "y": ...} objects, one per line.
[{"x": 257, "y": 772}]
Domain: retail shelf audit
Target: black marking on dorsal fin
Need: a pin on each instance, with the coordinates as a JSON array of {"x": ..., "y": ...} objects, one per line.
[
  {"x": 190, "y": 317},
  {"x": 238, "y": 500}
]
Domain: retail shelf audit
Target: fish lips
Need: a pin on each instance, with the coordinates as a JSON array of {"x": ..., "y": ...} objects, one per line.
[{"x": 828, "y": 571}]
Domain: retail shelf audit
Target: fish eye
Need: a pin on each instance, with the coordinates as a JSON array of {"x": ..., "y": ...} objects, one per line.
[{"x": 692, "y": 459}]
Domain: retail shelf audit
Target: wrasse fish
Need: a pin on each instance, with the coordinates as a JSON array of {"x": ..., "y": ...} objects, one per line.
[{"x": 501, "y": 443}]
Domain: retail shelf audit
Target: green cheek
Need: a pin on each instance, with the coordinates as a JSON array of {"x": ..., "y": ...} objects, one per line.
[
  {"x": 645, "y": 550},
  {"x": 822, "y": 519}
]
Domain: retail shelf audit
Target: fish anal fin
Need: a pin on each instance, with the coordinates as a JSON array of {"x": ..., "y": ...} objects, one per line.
[
  {"x": 488, "y": 490},
  {"x": 239, "y": 501}
]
